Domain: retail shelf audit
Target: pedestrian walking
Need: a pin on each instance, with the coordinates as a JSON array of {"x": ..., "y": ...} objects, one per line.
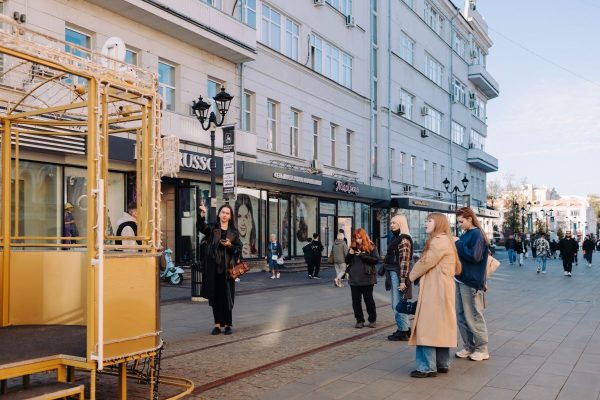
[
  {"x": 472, "y": 250},
  {"x": 224, "y": 249},
  {"x": 542, "y": 249},
  {"x": 588, "y": 249},
  {"x": 69, "y": 224},
  {"x": 339, "y": 250},
  {"x": 397, "y": 267},
  {"x": 274, "y": 256},
  {"x": 511, "y": 245},
  {"x": 361, "y": 259},
  {"x": 568, "y": 249},
  {"x": 520, "y": 249},
  {"x": 575, "y": 258},
  {"x": 312, "y": 256},
  {"x": 531, "y": 244},
  {"x": 553, "y": 248},
  {"x": 434, "y": 327}
]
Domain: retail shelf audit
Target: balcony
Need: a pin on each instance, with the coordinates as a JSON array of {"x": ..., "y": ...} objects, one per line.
[
  {"x": 482, "y": 160},
  {"x": 188, "y": 129},
  {"x": 193, "y": 22},
  {"x": 483, "y": 80}
]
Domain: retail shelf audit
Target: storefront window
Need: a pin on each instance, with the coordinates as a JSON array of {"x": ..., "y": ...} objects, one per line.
[
  {"x": 247, "y": 210},
  {"x": 305, "y": 218},
  {"x": 37, "y": 197},
  {"x": 115, "y": 201}
]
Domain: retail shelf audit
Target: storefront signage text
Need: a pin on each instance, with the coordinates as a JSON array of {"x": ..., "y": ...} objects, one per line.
[
  {"x": 346, "y": 187},
  {"x": 421, "y": 203},
  {"x": 229, "y": 178},
  {"x": 194, "y": 161},
  {"x": 294, "y": 178}
]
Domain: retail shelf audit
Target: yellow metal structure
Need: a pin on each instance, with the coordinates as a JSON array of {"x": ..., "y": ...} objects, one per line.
[{"x": 52, "y": 89}]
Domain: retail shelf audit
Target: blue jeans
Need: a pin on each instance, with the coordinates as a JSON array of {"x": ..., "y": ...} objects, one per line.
[
  {"x": 471, "y": 323},
  {"x": 401, "y": 319},
  {"x": 512, "y": 256},
  {"x": 429, "y": 359},
  {"x": 542, "y": 263}
]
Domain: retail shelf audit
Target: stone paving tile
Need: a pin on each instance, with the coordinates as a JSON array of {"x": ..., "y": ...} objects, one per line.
[
  {"x": 335, "y": 390},
  {"x": 547, "y": 380},
  {"x": 379, "y": 389},
  {"x": 505, "y": 380},
  {"x": 581, "y": 386},
  {"x": 451, "y": 394},
  {"x": 366, "y": 375},
  {"x": 492, "y": 393}
]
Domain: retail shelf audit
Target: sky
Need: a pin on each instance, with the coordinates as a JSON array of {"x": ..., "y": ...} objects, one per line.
[{"x": 545, "y": 124}]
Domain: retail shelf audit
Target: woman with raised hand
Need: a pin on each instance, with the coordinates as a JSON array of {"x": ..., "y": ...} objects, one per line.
[
  {"x": 224, "y": 249},
  {"x": 361, "y": 259},
  {"x": 434, "y": 327}
]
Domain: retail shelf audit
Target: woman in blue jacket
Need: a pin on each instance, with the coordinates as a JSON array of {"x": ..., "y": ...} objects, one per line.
[{"x": 472, "y": 248}]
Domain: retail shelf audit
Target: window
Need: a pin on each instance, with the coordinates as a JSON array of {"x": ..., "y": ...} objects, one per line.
[
  {"x": 315, "y": 138},
  {"x": 79, "y": 39},
  {"x": 459, "y": 91},
  {"x": 332, "y": 132},
  {"x": 271, "y": 126},
  {"x": 413, "y": 166},
  {"x": 477, "y": 107},
  {"x": 402, "y": 162},
  {"x": 433, "y": 120},
  {"x": 434, "y": 18},
  {"x": 343, "y": 6},
  {"x": 433, "y": 69},
  {"x": 248, "y": 9},
  {"x": 425, "y": 175},
  {"x": 294, "y": 129},
  {"x": 166, "y": 84},
  {"x": 214, "y": 3},
  {"x": 348, "y": 149},
  {"x": 375, "y": 147},
  {"x": 458, "y": 133},
  {"x": 409, "y": 3},
  {"x": 407, "y": 100},
  {"x": 291, "y": 39},
  {"x": 435, "y": 179},
  {"x": 459, "y": 44},
  {"x": 247, "y": 106},
  {"x": 392, "y": 163},
  {"x": 478, "y": 56},
  {"x": 477, "y": 140},
  {"x": 271, "y": 28},
  {"x": 442, "y": 174},
  {"x": 131, "y": 57},
  {"x": 331, "y": 61},
  {"x": 212, "y": 88},
  {"x": 407, "y": 48}
]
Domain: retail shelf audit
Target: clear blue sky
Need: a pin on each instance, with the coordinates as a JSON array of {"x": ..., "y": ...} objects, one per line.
[{"x": 545, "y": 124}]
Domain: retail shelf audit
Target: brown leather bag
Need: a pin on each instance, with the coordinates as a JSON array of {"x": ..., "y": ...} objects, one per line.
[{"x": 239, "y": 269}]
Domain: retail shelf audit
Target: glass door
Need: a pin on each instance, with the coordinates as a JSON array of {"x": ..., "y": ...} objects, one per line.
[
  {"x": 185, "y": 225},
  {"x": 279, "y": 222},
  {"x": 347, "y": 224},
  {"x": 327, "y": 229}
]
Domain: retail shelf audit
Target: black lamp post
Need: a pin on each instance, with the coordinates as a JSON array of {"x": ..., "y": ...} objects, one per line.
[
  {"x": 200, "y": 109},
  {"x": 455, "y": 190},
  {"x": 546, "y": 214},
  {"x": 524, "y": 212}
]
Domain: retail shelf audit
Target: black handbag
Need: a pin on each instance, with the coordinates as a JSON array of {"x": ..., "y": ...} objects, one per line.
[{"x": 406, "y": 307}]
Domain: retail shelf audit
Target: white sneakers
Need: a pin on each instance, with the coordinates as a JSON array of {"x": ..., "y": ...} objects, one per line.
[
  {"x": 464, "y": 353},
  {"x": 566, "y": 273},
  {"x": 479, "y": 356},
  {"x": 278, "y": 275},
  {"x": 475, "y": 356}
]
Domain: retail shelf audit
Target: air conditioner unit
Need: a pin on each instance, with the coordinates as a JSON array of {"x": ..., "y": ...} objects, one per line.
[
  {"x": 424, "y": 133},
  {"x": 318, "y": 3},
  {"x": 401, "y": 109},
  {"x": 316, "y": 166},
  {"x": 406, "y": 188},
  {"x": 472, "y": 96},
  {"x": 424, "y": 110},
  {"x": 350, "y": 21}
]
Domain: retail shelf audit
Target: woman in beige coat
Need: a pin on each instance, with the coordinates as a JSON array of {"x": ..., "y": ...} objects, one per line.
[{"x": 434, "y": 327}]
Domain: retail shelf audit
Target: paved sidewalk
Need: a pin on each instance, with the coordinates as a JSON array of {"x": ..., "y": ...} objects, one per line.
[{"x": 544, "y": 344}]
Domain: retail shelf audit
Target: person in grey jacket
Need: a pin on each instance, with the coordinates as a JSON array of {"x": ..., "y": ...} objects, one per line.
[
  {"x": 338, "y": 253},
  {"x": 361, "y": 259}
]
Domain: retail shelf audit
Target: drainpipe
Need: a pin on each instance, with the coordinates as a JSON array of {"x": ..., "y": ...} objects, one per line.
[
  {"x": 389, "y": 93},
  {"x": 241, "y": 76},
  {"x": 450, "y": 78}
]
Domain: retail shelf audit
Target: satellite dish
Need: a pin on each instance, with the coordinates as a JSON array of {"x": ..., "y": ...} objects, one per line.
[{"x": 114, "y": 47}]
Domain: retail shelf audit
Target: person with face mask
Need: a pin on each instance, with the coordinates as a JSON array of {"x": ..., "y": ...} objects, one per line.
[{"x": 568, "y": 248}]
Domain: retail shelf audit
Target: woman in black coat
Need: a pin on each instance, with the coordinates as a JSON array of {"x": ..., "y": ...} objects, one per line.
[
  {"x": 223, "y": 250},
  {"x": 361, "y": 260}
]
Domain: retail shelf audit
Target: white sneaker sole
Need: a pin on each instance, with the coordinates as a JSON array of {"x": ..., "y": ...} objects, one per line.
[
  {"x": 480, "y": 359},
  {"x": 462, "y": 355}
]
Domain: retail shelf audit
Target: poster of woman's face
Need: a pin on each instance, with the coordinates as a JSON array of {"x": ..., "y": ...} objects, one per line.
[
  {"x": 305, "y": 210},
  {"x": 245, "y": 207}
]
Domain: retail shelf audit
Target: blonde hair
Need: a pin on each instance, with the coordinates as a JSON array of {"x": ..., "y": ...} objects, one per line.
[
  {"x": 442, "y": 227},
  {"x": 403, "y": 222}
]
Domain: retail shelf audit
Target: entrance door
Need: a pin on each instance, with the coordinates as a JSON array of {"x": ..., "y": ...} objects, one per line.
[
  {"x": 327, "y": 225},
  {"x": 186, "y": 214},
  {"x": 279, "y": 222},
  {"x": 347, "y": 224}
]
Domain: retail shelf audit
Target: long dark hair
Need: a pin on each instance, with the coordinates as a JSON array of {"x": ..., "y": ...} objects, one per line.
[
  {"x": 231, "y": 224},
  {"x": 466, "y": 212},
  {"x": 244, "y": 200}
]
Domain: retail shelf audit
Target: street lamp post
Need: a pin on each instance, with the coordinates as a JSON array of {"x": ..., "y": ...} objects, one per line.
[
  {"x": 455, "y": 190},
  {"x": 200, "y": 109},
  {"x": 524, "y": 212},
  {"x": 546, "y": 214}
]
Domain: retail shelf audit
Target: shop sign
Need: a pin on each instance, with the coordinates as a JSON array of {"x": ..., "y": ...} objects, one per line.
[
  {"x": 229, "y": 177},
  {"x": 347, "y": 187},
  {"x": 421, "y": 203},
  {"x": 295, "y": 178},
  {"x": 194, "y": 161}
]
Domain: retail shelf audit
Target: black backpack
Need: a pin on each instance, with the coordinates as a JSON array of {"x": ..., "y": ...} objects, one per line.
[{"x": 125, "y": 224}]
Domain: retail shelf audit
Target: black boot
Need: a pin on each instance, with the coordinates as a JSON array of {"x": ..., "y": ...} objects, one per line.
[{"x": 396, "y": 336}]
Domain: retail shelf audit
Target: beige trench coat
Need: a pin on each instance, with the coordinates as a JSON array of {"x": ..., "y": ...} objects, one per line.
[{"x": 435, "y": 319}]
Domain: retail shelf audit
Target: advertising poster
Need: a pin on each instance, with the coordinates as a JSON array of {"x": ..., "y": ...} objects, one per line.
[
  {"x": 305, "y": 218},
  {"x": 246, "y": 213}
]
